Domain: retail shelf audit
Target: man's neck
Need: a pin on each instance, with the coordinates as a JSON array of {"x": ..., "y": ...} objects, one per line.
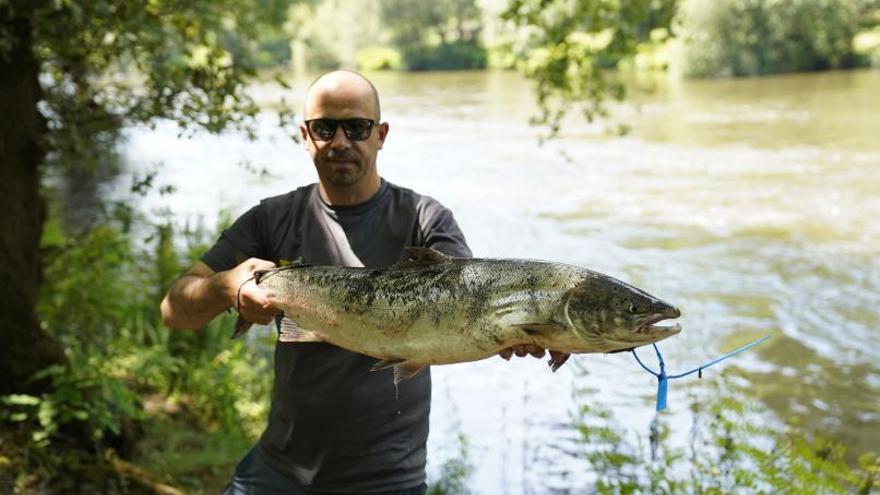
[{"x": 349, "y": 195}]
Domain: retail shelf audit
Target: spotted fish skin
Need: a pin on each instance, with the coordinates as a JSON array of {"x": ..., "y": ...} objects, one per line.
[{"x": 435, "y": 309}]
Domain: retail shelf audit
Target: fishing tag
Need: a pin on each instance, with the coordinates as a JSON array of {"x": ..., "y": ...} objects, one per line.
[
  {"x": 663, "y": 378},
  {"x": 662, "y": 387}
]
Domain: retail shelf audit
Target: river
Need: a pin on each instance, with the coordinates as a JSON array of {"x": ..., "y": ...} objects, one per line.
[{"x": 752, "y": 204}]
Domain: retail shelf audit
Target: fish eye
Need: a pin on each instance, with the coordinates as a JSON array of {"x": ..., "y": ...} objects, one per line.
[{"x": 631, "y": 306}]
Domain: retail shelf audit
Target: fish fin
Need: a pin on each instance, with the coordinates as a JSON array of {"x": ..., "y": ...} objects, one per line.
[
  {"x": 424, "y": 256},
  {"x": 406, "y": 370},
  {"x": 540, "y": 328},
  {"x": 241, "y": 328},
  {"x": 557, "y": 359},
  {"x": 621, "y": 350},
  {"x": 403, "y": 369},
  {"x": 386, "y": 363},
  {"x": 291, "y": 332}
]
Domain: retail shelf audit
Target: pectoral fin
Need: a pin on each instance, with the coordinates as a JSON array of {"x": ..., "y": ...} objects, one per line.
[
  {"x": 241, "y": 328},
  {"x": 406, "y": 370},
  {"x": 403, "y": 370},
  {"x": 291, "y": 332},
  {"x": 386, "y": 363}
]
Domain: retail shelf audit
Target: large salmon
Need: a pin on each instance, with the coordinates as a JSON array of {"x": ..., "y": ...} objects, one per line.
[{"x": 435, "y": 309}]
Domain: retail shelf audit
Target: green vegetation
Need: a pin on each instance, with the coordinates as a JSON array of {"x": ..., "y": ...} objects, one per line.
[
  {"x": 740, "y": 38},
  {"x": 186, "y": 405},
  {"x": 389, "y": 34},
  {"x": 436, "y": 35},
  {"x": 569, "y": 45},
  {"x": 731, "y": 450}
]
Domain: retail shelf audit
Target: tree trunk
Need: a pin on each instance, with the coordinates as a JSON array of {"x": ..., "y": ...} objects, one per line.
[{"x": 24, "y": 347}]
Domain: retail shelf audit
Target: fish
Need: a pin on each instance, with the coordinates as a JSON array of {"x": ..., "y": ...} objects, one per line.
[{"x": 433, "y": 309}]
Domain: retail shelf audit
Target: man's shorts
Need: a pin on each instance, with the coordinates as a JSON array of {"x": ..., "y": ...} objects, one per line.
[{"x": 253, "y": 476}]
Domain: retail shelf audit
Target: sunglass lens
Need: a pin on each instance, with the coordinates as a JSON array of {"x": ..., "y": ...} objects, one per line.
[
  {"x": 357, "y": 129},
  {"x": 323, "y": 129}
]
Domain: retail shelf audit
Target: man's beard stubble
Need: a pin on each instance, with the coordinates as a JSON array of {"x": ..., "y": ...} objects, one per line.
[{"x": 343, "y": 178}]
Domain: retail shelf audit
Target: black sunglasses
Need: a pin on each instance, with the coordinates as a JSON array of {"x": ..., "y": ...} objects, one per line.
[{"x": 354, "y": 129}]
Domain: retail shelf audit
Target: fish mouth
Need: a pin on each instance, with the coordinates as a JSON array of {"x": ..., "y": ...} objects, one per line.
[{"x": 649, "y": 327}]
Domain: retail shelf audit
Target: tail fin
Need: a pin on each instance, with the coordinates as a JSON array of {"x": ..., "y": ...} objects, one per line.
[{"x": 241, "y": 328}]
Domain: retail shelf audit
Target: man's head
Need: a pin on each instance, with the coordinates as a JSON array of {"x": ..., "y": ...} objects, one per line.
[{"x": 343, "y": 132}]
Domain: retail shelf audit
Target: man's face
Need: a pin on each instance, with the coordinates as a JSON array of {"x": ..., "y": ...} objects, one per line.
[{"x": 341, "y": 161}]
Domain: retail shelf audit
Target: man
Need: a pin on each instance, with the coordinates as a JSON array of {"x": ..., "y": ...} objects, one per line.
[{"x": 334, "y": 426}]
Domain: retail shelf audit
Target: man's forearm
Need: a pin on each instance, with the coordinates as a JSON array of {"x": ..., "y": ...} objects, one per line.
[{"x": 194, "y": 300}]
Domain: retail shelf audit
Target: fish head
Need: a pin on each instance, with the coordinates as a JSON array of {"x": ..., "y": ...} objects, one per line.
[{"x": 612, "y": 315}]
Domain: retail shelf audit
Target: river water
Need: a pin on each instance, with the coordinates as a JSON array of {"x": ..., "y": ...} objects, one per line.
[{"x": 752, "y": 204}]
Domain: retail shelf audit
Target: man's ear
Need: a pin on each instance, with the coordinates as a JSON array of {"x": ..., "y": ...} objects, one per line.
[
  {"x": 383, "y": 132},
  {"x": 304, "y": 134}
]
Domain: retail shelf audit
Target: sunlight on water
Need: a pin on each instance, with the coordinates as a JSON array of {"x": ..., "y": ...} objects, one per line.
[{"x": 753, "y": 205}]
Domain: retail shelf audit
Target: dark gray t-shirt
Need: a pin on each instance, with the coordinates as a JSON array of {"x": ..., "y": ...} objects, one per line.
[{"x": 334, "y": 425}]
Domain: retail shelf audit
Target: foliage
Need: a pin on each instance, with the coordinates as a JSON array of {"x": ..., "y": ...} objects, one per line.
[
  {"x": 456, "y": 55},
  {"x": 126, "y": 369},
  {"x": 454, "y": 472},
  {"x": 327, "y": 33},
  {"x": 565, "y": 44},
  {"x": 729, "y": 452},
  {"x": 866, "y": 46},
  {"x": 443, "y": 34},
  {"x": 106, "y": 64},
  {"x": 738, "y": 38},
  {"x": 378, "y": 58},
  {"x": 85, "y": 393}
]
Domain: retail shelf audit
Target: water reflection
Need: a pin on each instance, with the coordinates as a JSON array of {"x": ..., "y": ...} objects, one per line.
[{"x": 832, "y": 398}]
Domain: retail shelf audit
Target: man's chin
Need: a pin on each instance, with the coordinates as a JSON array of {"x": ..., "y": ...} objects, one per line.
[{"x": 344, "y": 179}]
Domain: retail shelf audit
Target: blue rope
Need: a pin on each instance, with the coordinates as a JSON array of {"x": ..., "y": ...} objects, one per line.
[{"x": 663, "y": 378}]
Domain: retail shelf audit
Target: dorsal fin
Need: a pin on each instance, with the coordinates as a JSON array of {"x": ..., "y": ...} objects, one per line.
[{"x": 424, "y": 256}]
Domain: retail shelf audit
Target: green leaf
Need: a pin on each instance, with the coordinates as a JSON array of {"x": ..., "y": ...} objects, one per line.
[{"x": 21, "y": 400}]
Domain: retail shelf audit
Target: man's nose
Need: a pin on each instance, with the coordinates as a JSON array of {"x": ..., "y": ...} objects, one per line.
[{"x": 340, "y": 140}]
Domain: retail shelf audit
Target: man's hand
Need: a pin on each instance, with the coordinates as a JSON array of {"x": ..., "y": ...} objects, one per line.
[
  {"x": 521, "y": 351},
  {"x": 200, "y": 294},
  {"x": 252, "y": 303},
  {"x": 557, "y": 358}
]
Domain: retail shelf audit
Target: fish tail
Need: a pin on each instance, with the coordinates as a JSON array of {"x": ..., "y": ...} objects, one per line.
[{"x": 241, "y": 328}]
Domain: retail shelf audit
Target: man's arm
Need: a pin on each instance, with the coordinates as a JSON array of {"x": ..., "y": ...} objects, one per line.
[{"x": 200, "y": 294}]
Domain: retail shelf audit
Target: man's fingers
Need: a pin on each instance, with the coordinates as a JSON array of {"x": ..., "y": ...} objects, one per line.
[
  {"x": 536, "y": 351},
  {"x": 254, "y": 264},
  {"x": 523, "y": 350},
  {"x": 251, "y": 293}
]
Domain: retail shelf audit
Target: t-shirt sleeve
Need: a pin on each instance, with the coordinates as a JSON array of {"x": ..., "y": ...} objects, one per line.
[
  {"x": 440, "y": 231},
  {"x": 242, "y": 240}
]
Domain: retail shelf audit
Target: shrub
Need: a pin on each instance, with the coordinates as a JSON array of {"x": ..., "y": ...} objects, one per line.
[{"x": 750, "y": 37}]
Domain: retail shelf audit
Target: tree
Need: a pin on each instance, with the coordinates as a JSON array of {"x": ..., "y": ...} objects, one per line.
[
  {"x": 567, "y": 44},
  {"x": 442, "y": 34},
  {"x": 73, "y": 72}
]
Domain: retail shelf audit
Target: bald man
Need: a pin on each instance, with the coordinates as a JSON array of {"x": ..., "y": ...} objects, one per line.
[{"x": 334, "y": 426}]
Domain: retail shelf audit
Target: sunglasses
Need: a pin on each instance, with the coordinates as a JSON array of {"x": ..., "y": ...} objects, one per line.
[{"x": 354, "y": 129}]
